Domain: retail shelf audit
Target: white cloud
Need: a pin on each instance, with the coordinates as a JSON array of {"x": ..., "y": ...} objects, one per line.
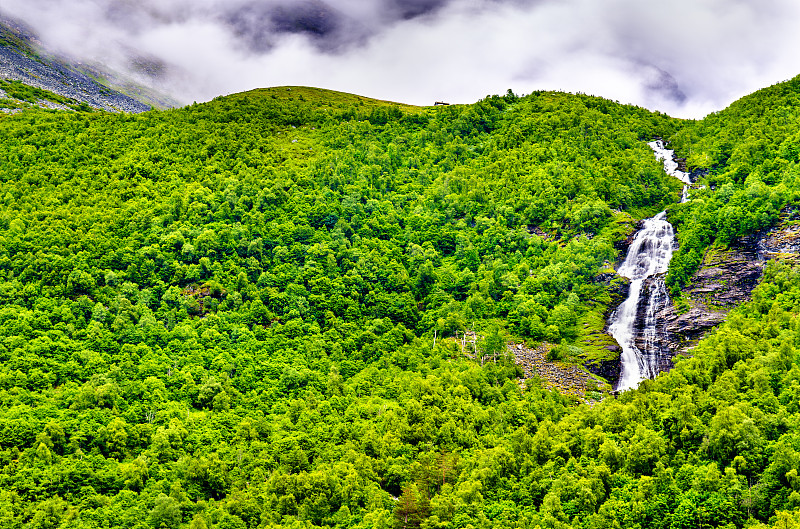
[{"x": 684, "y": 57}]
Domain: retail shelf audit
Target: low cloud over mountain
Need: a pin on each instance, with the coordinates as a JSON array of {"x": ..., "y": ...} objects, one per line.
[{"x": 684, "y": 57}]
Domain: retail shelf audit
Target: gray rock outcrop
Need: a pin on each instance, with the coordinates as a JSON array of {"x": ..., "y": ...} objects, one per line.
[
  {"x": 725, "y": 279},
  {"x": 568, "y": 379}
]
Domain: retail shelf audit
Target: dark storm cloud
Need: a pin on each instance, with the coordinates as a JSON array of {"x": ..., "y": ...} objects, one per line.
[
  {"x": 312, "y": 18},
  {"x": 259, "y": 25},
  {"x": 685, "y": 57},
  {"x": 408, "y": 9},
  {"x": 662, "y": 84},
  {"x": 666, "y": 86}
]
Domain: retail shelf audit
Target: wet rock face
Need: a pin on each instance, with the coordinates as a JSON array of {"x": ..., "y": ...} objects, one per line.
[
  {"x": 696, "y": 173},
  {"x": 655, "y": 339},
  {"x": 608, "y": 369},
  {"x": 726, "y": 279},
  {"x": 618, "y": 286},
  {"x": 625, "y": 243}
]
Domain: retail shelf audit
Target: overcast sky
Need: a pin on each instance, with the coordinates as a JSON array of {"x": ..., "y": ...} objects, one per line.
[{"x": 683, "y": 57}]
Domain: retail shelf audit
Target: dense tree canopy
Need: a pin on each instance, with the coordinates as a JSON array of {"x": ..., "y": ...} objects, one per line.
[{"x": 223, "y": 316}]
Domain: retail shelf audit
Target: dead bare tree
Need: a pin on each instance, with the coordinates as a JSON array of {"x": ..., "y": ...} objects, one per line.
[{"x": 475, "y": 344}]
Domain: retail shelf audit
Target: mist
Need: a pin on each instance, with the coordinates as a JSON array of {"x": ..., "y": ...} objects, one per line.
[{"x": 685, "y": 57}]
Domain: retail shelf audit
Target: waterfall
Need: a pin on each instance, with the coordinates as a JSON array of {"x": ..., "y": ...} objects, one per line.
[
  {"x": 671, "y": 166},
  {"x": 648, "y": 256},
  {"x": 635, "y": 322}
]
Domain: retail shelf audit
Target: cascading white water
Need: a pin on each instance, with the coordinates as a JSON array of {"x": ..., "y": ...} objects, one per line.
[
  {"x": 671, "y": 166},
  {"x": 648, "y": 257}
]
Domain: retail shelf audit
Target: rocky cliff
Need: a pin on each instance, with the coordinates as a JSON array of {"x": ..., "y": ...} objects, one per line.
[
  {"x": 607, "y": 366},
  {"x": 726, "y": 279}
]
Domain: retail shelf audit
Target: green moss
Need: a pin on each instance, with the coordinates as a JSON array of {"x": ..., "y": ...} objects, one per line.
[
  {"x": 622, "y": 225},
  {"x": 592, "y": 339},
  {"x": 715, "y": 254}
]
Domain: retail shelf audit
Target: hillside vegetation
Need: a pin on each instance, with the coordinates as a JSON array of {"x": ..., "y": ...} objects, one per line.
[
  {"x": 749, "y": 153},
  {"x": 223, "y": 316}
]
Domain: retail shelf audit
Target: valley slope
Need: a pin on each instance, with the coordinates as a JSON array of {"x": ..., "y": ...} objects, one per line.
[{"x": 251, "y": 313}]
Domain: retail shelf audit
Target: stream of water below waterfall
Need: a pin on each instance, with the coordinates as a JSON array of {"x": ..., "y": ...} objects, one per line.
[{"x": 634, "y": 324}]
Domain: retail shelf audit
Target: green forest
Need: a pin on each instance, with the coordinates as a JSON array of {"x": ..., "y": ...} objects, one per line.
[{"x": 246, "y": 314}]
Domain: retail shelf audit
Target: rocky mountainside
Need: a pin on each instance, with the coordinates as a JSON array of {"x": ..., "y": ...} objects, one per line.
[
  {"x": 568, "y": 379},
  {"x": 724, "y": 279},
  {"x": 22, "y": 59}
]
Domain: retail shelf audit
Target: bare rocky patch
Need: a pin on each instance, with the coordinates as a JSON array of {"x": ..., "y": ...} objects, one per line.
[
  {"x": 725, "y": 280},
  {"x": 567, "y": 379}
]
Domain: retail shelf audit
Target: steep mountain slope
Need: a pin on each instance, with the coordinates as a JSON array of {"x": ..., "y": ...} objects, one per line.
[
  {"x": 226, "y": 262},
  {"x": 253, "y": 312},
  {"x": 23, "y": 61},
  {"x": 748, "y": 158}
]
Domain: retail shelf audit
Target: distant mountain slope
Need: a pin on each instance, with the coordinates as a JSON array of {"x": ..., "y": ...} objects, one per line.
[
  {"x": 21, "y": 59},
  {"x": 311, "y": 96}
]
